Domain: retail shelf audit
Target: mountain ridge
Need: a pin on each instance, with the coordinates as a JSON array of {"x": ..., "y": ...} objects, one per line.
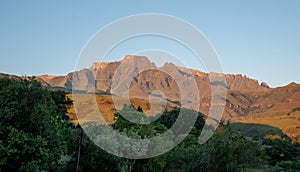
[
  {"x": 240, "y": 88},
  {"x": 106, "y": 69},
  {"x": 246, "y": 99}
]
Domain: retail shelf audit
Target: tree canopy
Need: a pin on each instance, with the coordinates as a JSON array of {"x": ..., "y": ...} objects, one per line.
[{"x": 35, "y": 134}]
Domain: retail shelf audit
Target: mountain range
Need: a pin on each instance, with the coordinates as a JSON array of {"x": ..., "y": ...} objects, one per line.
[{"x": 246, "y": 99}]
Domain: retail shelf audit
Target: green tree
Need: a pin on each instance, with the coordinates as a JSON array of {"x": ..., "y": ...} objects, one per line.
[
  {"x": 141, "y": 131},
  {"x": 169, "y": 118},
  {"x": 281, "y": 150},
  {"x": 34, "y": 134}
]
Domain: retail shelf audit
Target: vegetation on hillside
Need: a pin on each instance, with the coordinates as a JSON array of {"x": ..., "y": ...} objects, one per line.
[
  {"x": 36, "y": 135},
  {"x": 256, "y": 130}
]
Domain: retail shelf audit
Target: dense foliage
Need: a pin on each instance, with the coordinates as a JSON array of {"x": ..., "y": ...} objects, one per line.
[{"x": 36, "y": 135}]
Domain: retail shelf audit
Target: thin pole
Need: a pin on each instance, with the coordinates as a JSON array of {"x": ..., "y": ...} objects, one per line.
[{"x": 79, "y": 149}]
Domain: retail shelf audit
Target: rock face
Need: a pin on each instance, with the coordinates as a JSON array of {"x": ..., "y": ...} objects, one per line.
[
  {"x": 99, "y": 77},
  {"x": 239, "y": 82},
  {"x": 141, "y": 78}
]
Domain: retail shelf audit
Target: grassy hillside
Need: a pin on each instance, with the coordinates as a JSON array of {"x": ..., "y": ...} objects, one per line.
[
  {"x": 288, "y": 123},
  {"x": 255, "y": 130},
  {"x": 107, "y": 108}
]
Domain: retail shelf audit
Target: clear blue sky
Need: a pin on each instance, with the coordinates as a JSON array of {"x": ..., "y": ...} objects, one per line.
[{"x": 260, "y": 39}]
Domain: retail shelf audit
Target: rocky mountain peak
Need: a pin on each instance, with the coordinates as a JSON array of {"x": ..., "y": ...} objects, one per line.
[
  {"x": 99, "y": 65},
  {"x": 169, "y": 65},
  {"x": 137, "y": 61},
  {"x": 292, "y": 84},
  {"x": 135, "y": 58}
]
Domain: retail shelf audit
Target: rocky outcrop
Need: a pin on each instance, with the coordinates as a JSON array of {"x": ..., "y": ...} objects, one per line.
[
  {"x": 240, "y": 82},
  {"x": 264, "y": 84}
]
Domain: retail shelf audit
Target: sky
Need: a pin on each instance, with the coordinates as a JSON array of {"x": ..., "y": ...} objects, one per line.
[{"x": 260, "y": 39}]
